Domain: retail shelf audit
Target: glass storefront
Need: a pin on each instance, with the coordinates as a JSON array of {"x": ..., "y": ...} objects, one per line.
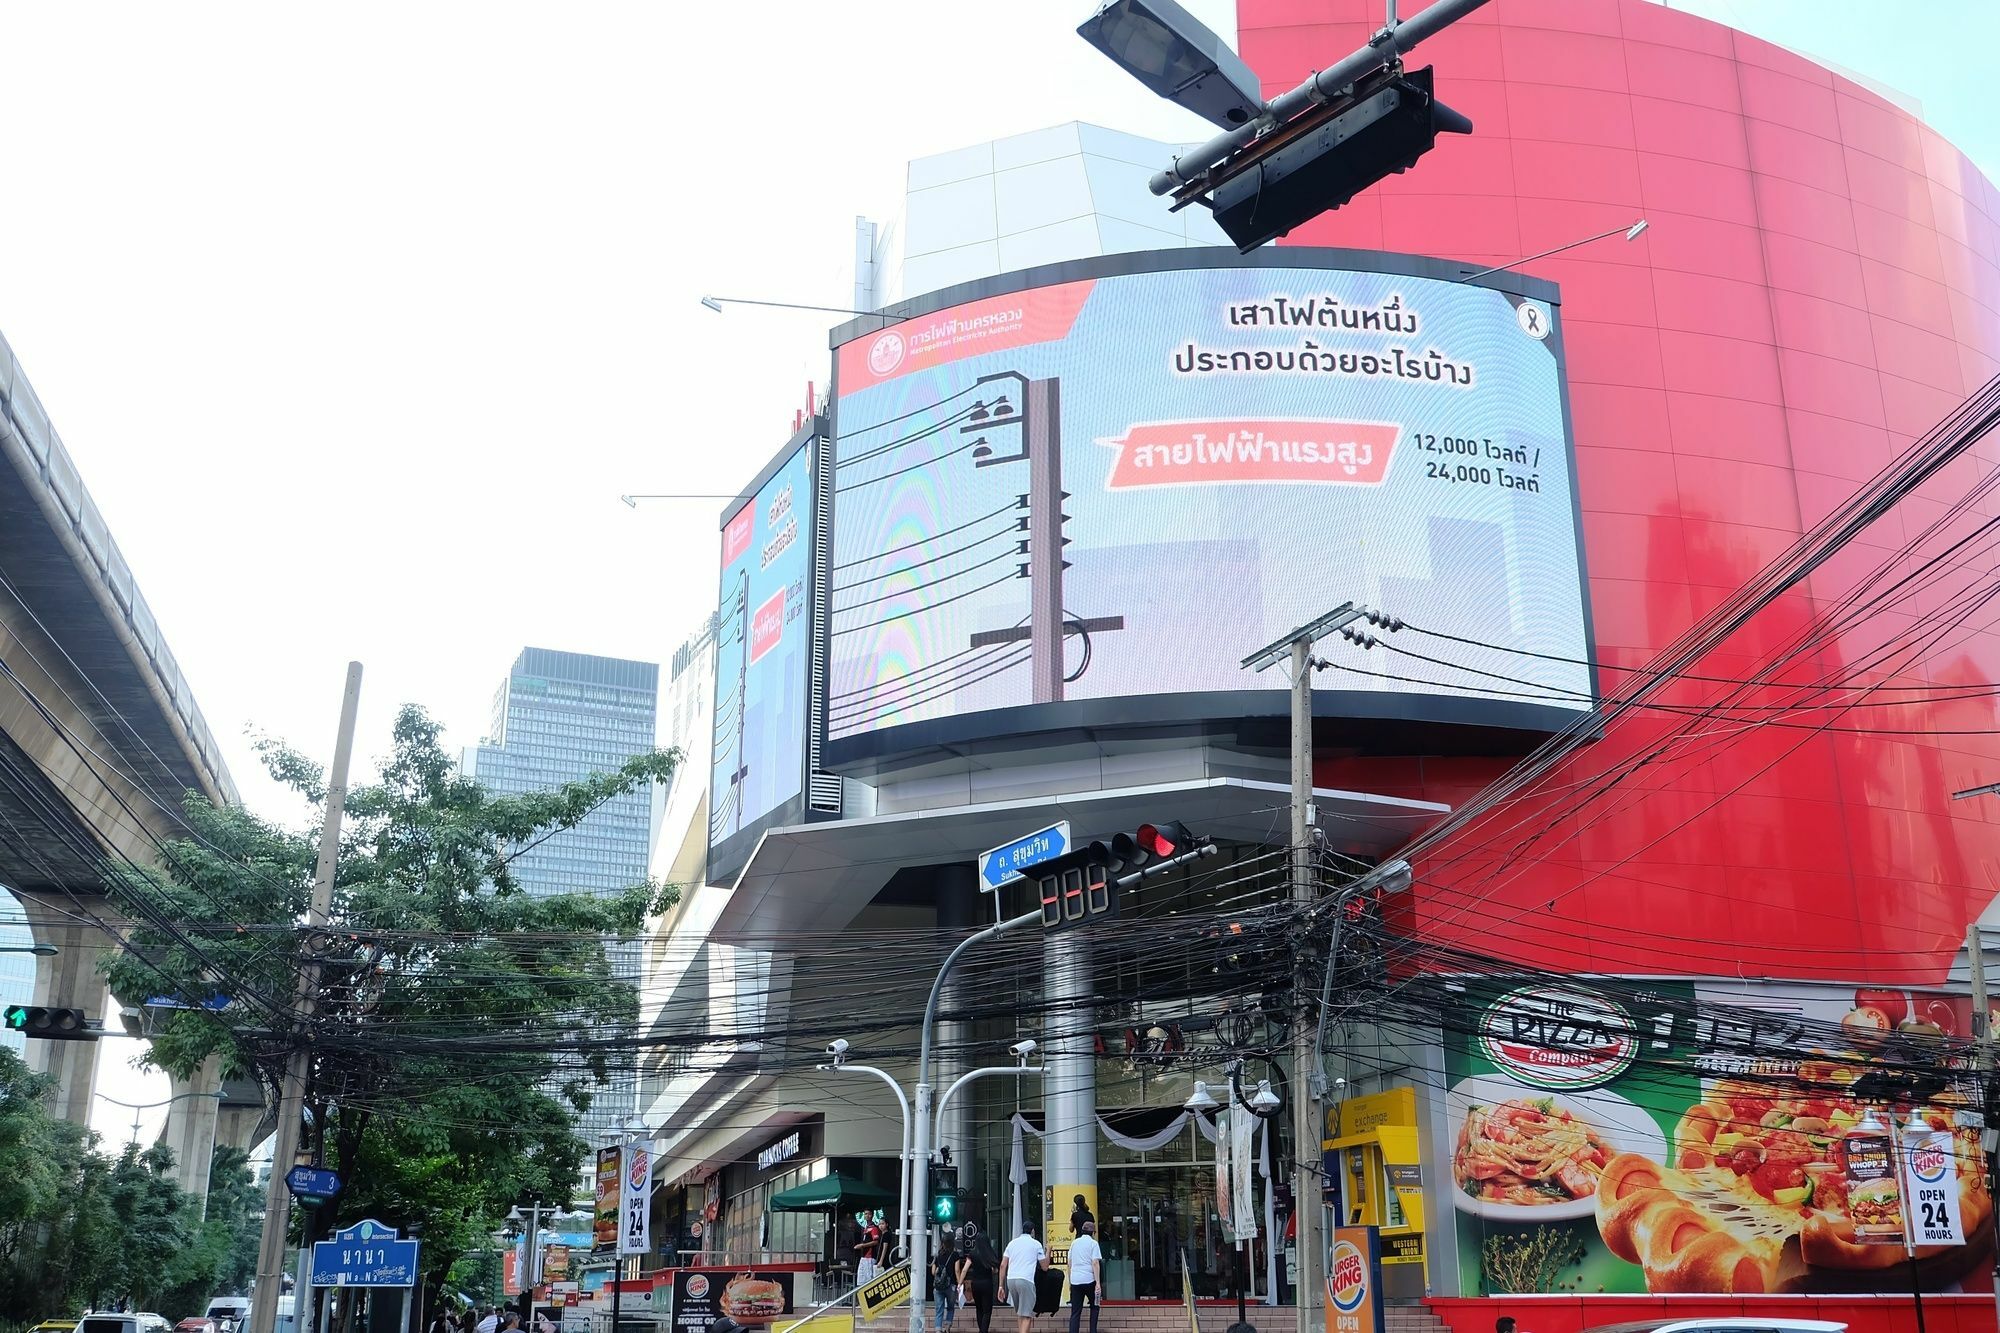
[{"x": 1156, "y": 1216}]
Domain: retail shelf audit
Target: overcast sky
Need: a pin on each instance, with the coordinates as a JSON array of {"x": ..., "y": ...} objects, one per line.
[{"x": 358, "y": 319}]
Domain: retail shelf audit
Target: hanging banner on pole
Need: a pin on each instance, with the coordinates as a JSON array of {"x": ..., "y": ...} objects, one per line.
[
  {"x": 1930, "y": 1188},
  {"x": 604, "y": 1217},
  {"x": 635, "y": 1229},
  {"x": 1874, "y": 1201},
  {"x": 1225, "y": 1204},
  {"x": 1243, "y": 1128}
]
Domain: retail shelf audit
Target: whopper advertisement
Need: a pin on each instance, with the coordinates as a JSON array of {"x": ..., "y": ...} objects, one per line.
[
  {"x": 1122, "y": 485},
  {"x": 701, "y": 1296},
  {"x": 1695, "y": 1139},
  {"x": 763, "y": 629}
]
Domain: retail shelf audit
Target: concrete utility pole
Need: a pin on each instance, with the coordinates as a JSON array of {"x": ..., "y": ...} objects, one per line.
[
  {"x": 1305, "y": 1109},
  {"x": 1982, "y": 1061},
  {"x": 292, "y": 1093},
  {"x": 1298, "y": 647}
]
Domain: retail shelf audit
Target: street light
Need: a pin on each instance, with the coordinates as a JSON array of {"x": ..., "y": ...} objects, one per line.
[
  {"x": 1632, "y": 233},
  {"x": 1177, "y": 57},
  {"x": 716, "y": 303},
  {"x": 838, "y": 1049},
  {"x": 632, "y": 501},
  {"x": 38, "y": 950},
  {"x": 1201, "y": 1099}
]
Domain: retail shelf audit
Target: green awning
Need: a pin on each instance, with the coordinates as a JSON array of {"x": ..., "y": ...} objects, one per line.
[{"x": 831, "y": 1191}]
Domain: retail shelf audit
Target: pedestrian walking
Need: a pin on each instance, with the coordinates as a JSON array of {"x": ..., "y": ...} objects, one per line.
[
  {"x": 489, "y": 1321},
  {"x": 978, "y": 1268},
  {"x": 1023, "y": 1259},
  {"x": 1086, "y": 1269},
  {"x": 944, "y": 1270}
]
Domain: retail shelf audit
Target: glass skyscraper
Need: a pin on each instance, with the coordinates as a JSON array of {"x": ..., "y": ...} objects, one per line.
[
  {"x": 556, "y": 718},
  {"x": 17, "y": 970}
]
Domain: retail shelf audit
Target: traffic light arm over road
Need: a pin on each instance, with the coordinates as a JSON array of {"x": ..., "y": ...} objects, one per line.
[{"x": 37, "y": 1020}]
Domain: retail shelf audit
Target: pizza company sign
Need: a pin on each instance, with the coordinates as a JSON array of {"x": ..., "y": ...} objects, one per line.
[{"x": 1552, "y": 1038}]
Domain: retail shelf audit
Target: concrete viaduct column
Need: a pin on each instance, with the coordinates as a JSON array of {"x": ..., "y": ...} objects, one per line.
[
  {"x": 69, "y": 980},
  {"x": 192, "y": 1123}
]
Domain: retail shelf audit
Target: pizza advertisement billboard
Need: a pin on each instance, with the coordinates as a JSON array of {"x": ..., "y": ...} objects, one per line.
[
  {"x": 1695, "y": 1138},
  {"x": 763, "y": 633},
  {"x": 1078, "y": 503}
]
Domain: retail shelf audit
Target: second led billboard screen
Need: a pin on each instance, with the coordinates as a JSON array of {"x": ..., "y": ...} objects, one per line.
[
  {"x": 762, "y": 634},
  {"x": 1118, "y": 487}
]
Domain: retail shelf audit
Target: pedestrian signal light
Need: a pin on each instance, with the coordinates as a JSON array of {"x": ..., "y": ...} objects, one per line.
[
  {"x": 944, "y": 1194},
  {"x": 35, "y": 1020}
]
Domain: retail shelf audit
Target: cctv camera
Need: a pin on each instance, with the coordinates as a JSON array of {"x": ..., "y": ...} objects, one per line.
[
  {"x": 1023, "y": 1048},
  {"x": 837, "y": 1047}
]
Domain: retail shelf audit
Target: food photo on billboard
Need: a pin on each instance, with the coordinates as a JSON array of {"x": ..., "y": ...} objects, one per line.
[
  {"x": 749, "y": 1296},
  {"x": 1686, "y": 1138}
]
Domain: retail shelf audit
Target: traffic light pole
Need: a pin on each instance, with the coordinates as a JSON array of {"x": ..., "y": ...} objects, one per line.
[
  {"x": 1386, "y": 46},
  {"x": 292, "y": 1091},
  {"x": 920, "y": 1153}
]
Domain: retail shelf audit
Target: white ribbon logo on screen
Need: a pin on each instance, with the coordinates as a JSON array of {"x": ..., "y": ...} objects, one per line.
[{"x": 1534, "y": 320}]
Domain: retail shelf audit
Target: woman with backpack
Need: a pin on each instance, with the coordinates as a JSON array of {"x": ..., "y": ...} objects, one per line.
[{"x": 978, "y": 1273}]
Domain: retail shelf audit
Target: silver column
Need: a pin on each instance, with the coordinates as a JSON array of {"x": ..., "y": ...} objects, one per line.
[
  {"x": 959, "y": 908},
  {"x": 1069, "y": 1083}
]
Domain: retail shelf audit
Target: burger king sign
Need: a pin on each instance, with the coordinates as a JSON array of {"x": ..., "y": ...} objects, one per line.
[{"x": 1353, "y": 1294}]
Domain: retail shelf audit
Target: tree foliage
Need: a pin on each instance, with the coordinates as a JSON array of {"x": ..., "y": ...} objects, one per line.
[
  {"x": 81, "y": 1230},
  {"x": 451, "y": 1000}
]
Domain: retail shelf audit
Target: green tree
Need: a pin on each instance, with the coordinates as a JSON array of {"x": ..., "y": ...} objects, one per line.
[
  {"x": 81, "y": 1229},
  {"x": 450, "y": 998}
]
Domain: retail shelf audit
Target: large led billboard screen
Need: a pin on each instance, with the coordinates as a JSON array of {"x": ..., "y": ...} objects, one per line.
[
  {"x": 763, "y": 647},
  {"x": 1114, "y": 487}
]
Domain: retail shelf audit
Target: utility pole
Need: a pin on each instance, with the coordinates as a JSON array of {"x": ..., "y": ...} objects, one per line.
[
  {"x": 1306, "y": 1114},
  {"x": 1982, "y": 1063},
  {"x": 292, "y": 1092}
]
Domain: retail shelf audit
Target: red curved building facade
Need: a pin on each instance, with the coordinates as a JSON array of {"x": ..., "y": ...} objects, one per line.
[{"x": 1818, "y": 287}]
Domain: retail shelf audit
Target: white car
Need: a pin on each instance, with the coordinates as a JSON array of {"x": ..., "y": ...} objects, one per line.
[{"x": 123, "y": 1323}]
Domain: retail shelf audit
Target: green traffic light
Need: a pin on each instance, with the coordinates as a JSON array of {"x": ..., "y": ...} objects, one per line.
[
  {"x": 17, "y": 1017},
  {"x": 944, "y": 1208}
]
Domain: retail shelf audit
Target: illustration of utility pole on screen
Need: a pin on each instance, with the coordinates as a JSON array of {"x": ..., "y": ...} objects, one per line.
[{"x": 1037, "y": 428}]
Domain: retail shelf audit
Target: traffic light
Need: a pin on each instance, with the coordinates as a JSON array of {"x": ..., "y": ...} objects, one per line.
[
  {"x": 1325, "y": 156},
  {"x": 944, "y": 1194},
  {"x": 1085, "y": 883},
  {"x": 34, "y": 1020}
]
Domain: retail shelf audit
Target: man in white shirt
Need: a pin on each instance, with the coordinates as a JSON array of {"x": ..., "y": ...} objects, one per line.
[
  {"x": 1023, "y": 1258},
  {"x": 1086, "y": 1269},
  {"x": 489, "y": 1322}
]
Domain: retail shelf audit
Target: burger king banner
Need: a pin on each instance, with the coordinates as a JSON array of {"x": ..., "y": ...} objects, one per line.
[
  {"x": 702, "y": 1295},
  {"x": 1930, "y": 1193},
  {"x": 1353, "y": 1286}
]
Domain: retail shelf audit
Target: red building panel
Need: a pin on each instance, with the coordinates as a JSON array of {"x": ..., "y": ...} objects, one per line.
[{"x": 1820, "y": 284}]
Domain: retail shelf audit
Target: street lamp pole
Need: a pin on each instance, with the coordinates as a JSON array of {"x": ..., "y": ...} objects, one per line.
[
  {"x": 38, "y": 950},
  {"x": 838, "y": 1050},
  {"x": 1632, "y": 233},
  {"x": 920, "y": 1183}
]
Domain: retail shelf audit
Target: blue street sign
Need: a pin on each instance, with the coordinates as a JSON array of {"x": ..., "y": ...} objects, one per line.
[
  {"x": 366, "y": 1254},
  {"x": 314, "y": 1183},
  {"x": 1008, "y": 860},
  {"x": 214, "y": 1003}
]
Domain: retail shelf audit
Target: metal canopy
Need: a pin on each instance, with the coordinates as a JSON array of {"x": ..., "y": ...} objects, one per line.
[{"x": 818, "y": 877}]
